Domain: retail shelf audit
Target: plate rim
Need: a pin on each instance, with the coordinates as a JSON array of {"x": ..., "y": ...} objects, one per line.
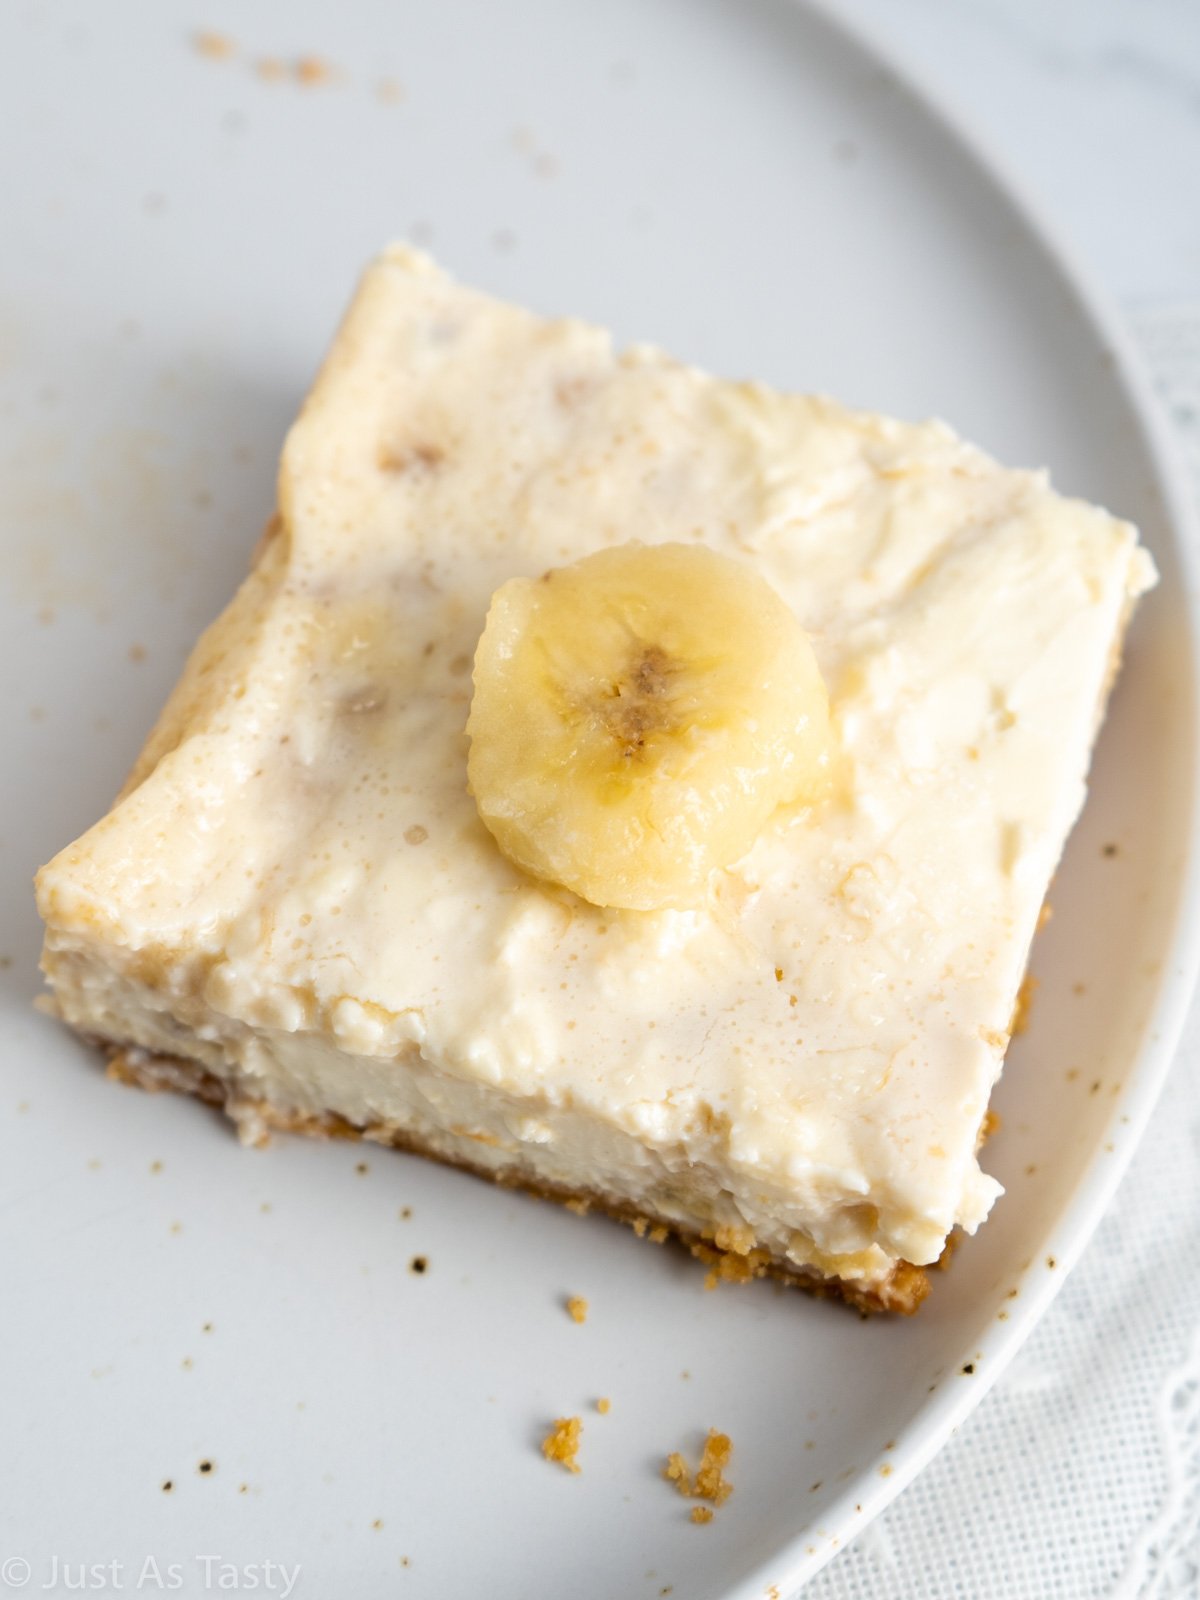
[{"x": 800, "y": 1558}]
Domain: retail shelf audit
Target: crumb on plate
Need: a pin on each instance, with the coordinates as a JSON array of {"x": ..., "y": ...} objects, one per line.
[
  {"x": 216, "y": 46},
  {"x": 311, "y": 70},
  {"x": 561, "y": 1444},
  {"x": 709, "y": 1482}
]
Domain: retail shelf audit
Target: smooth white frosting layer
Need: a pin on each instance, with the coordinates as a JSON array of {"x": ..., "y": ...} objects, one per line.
[{"x": 297, "y": 866}]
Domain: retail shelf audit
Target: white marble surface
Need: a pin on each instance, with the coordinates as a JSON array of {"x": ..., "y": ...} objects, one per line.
[
  {"x": 1094, "y": 105},
  {"x": 1079, "y": 1476}
]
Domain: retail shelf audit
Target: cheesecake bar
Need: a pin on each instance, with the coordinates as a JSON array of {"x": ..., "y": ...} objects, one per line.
[{"x": 296, "y": 910}]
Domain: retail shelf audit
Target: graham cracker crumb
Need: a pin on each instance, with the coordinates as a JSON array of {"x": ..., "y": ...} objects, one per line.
[
  {"x": 213, "y": 45},
  {"x": 577, "y": 1308},
  {"x": 311, "y": 70},
  {"x": 948, "y": 1249},
  {"x": 710, "y": 1482},
  {"x": 1024, "y": 1005},
  {"x": 740, "y": 1241},
  {"x": 561, "y": 1444},
  {"x": 604, "y": 1405},
  {"x": 726, "y": 1266},
  {"x": 702, "y": 1514},
  {"x": 989, "y": 1126},
  {"x": 658, "y": 1234},
  {"x": 579, "y": 1207}
]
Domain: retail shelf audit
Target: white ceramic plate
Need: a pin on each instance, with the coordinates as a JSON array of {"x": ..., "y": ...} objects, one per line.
[{"x": 748, "y": 186}]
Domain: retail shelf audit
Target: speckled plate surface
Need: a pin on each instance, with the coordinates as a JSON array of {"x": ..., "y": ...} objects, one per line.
[{"x": 216, "y": 1359}]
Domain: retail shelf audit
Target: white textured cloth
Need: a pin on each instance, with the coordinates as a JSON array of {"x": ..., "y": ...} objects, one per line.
[{"x": 1078, "y": 1478}]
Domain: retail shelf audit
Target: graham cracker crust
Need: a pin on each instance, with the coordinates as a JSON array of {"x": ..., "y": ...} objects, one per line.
[{"x": 901, "y": 1292}]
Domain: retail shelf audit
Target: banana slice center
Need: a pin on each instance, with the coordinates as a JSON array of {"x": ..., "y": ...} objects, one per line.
[
  {"x": 639, "y": 702},
  {"x": 639, "y": 717}
]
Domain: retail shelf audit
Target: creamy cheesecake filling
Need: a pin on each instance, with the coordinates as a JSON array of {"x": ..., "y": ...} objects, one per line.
[
  {"x": 545, "y": 1141},
  {"x": 296, "y": 889}
]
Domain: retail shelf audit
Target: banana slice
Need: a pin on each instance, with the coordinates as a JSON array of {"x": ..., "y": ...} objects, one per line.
[{"x": 638, "y": 717}]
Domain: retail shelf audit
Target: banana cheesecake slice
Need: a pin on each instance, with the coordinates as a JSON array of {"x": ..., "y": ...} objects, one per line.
[{"x": 621, "y": 783}]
